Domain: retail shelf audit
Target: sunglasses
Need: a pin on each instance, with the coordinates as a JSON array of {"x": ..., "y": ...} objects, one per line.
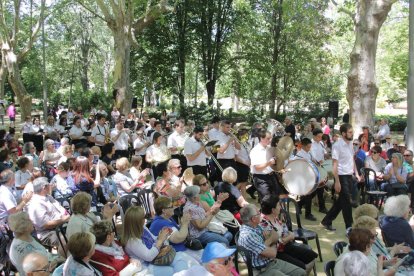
[
  {"x": 374, "y": 152},
  {"x": 204, "y": 184},
  {"x": 395, "y": 144},
  {"x": 376, "y": 143},
  {"x": 356, "y": 144},
  {"x": 228, "y": 260},
  {"x": 407, "y": 155}
]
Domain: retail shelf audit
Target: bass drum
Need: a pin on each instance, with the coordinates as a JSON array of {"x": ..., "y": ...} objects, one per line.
[{"x": 301, "y": 177}]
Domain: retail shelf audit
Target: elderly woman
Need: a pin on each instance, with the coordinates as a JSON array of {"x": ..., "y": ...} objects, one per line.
[
  {"x": 49, "y": 155},
  {"x": 396, "y": 175},
  {"x": 8, "y": 203},
  {"x": 29, "y": 150},
  {"x": 164, "y": 187},
  {"x": 136, "y": 172},
  {"x": 394, "y": 225},
  {"x": 67, "y": 152},
  {"x": 164, "y": 211},
  {"x": 81, "y": 247},
  {"x": 81, "y": 219},
  {"x": 23, "y": 242},
  {"x": 376, "y": 163},
  {"x": 174, "y": 167},
  {"x": 123, "y": 179},
  {"x": 288, "y": 250},
  {"x": 139, "y": 243},
  {"x": 110, "y": 258},
  {"x": 200, "y": 219},
  {"x": 206, "y": 195},
  {"x": 235, "y": 201}
]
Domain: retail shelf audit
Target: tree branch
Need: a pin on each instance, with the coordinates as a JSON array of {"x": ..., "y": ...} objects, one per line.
[
  {"x": 153, "y": 13},
  {"x": 80, "y": 2},
  {"x": 4, "y": 30},
  {"x": 344, "y": 10},
  {"x": 16, "y": 22}
]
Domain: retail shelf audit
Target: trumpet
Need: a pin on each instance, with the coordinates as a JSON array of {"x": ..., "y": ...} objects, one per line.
[{"x": 204, "y": 140}]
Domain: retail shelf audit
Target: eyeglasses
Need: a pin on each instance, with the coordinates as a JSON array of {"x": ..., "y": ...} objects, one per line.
[
  {"x": 376, "y": 143},
  {"x": 178, "y": 167},
  {"x": 228, "y": 260},
  {"x": 356, "y": 144},
  {"x": 395, "y": 144},
  {"x": 374, "y": 152},
  {"x": 47, "y": 268},
  {"x": 407, "y": 155},
  {"x": 204, "y": 184}
]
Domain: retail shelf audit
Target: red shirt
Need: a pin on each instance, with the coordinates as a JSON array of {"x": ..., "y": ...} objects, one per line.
[{"x": 111, "y": 261}]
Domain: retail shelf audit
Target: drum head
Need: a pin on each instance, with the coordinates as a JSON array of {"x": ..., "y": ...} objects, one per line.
[{"x": 300, "y": 177}]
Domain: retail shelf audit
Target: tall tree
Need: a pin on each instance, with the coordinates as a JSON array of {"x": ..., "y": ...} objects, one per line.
[
  {"x": 120, "y": 19},
  {"x": 362, "y": 89},
  {"x": 11, "y": 39}
]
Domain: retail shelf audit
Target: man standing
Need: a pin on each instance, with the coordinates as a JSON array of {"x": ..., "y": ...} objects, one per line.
[
  {"x": 176, "y": 143},
  {"x": 120, "y": 137},
  {"x": 318, "y": 156},
  {"x": 228, "y": 146},
  {"x": 264, "y": 178},
  {"x": 290, "y": 128},
  {"x": 343, "y": 169},
  {"x": 196, "y": 153},
  {"x": 99, "y": 132}
]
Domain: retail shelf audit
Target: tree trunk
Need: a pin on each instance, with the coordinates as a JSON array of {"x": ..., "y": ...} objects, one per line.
[
  {"x": 3, "y": 76},
  {"x": 362, "y": 89},
  {"x": 211, "y": 90},
  {"x": 123, "y": 99},
  {"x": 84, "y": 66},
  {"x": 276, "y": 29}
]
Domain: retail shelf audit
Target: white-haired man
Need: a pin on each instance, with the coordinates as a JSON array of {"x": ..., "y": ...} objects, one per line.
[
  {"x": 45, "y": 212},
  {"x": 263, "y": 245},
  {"x": 290, "y": 128}
]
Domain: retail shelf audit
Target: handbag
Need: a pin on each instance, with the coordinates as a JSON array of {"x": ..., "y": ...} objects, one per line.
[
  {"x": 193, "y": 244},
  {"x": 227, "y": 219},
  {"x": 216, "y": 226},
  {"x": 165, "y": 256}
]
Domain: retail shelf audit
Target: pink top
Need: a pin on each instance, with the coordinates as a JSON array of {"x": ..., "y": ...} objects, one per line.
[{"x": 11, "y": 111}]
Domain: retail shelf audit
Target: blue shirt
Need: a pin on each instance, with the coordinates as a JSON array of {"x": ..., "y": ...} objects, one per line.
[
  {"x": 159, "y": 222},
  {"x": 397, "y": 230},
  {"x": 253, "y": 240}
]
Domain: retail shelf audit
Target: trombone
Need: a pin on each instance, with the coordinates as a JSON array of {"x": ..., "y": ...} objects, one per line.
[{"x": 204, "y": 140}]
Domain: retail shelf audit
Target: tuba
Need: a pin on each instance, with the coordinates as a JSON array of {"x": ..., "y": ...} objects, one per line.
[
  {"x": 282, "y": 152},
  {"x": 276, "y": 128}
]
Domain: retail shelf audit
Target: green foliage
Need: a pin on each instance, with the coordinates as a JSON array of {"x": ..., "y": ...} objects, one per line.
[{"x": 396, "y": 123}]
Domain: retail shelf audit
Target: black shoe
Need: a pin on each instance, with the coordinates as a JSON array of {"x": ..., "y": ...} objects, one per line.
[
  {"x": 310, "y": 217},
  {"x": 328, "y": 227},
  {"x": 323, "y": 211}
]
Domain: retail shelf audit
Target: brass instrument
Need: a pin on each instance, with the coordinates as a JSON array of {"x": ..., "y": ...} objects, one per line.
[
  {"x": 275, "y": 128},
  {"x": 204, "y": 140},
  {"x": 282, "y": 152}
]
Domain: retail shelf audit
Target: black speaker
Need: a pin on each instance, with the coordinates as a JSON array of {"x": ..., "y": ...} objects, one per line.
[
  {"x": 333, "y": 109},
  {"x": 134, "y": 103}
]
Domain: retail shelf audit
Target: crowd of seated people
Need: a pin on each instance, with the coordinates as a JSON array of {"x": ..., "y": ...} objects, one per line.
[{"x": 70, "y": 185}]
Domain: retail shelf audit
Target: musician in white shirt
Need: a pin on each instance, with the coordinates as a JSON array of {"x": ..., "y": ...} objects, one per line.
[
  {"x": 305, "y": 154},
  {"x": 176, "y": 143},
  {"x": 120, "y": 138},
  {"x": 243, "y": 161},
  {"x": 100, "y": 132},
  {"x": 261, "y": 158},
  {"x": 26, "y": 127},
  {"x": 196, "y": 153},
  {"x": 76, "y": 132},
  {"x": 228, "y": 146},
  {"x": 214, "y": 132},
  {"x": 318, "y": 156}
]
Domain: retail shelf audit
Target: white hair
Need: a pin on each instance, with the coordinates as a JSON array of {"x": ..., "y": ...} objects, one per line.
[
  {"x": 247, "y": 212},
  {"x": 33, "y": 261},
  {"x": 356, "y": 264},
  {"x": 39, "y": 184},
  {"x": 397, "y": 206}
]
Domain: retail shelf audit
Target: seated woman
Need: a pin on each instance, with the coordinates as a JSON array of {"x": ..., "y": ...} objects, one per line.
[
  {"x": 396, "y": 175},
  {"x": 23, "y": 242},
  {"x": 67, "y": 152},
  {"x": 108, "y": 156},
  {"x": 122, "y": 178},
  {"x": 200, "y": 219},
  {"x": 361, "y": 240},
  {"x": 81, "y": 219},
  {"x": 163, "y": 186},
  {"x": 288, "y": 249},
  {"x": 394, "y": 225},
  {"x": 136, "y": 172},
  {"x": 49, "y": 155},
  {"x": 80, "y": 179},
  {"x": 107, "y": 184},
  {"x": 109, "y": 257},
  {"x": 235, "y": 201},
  {"x": 164, "y": 211},
  {"x": 23, "y": 175},
  {"x": 206, "y": 195},
  {"x": 376, "y": 163},
  {"x": 139, "y": 243},
  {"x": 81, "y": 247},
  {"x": 60, "y": 185}
]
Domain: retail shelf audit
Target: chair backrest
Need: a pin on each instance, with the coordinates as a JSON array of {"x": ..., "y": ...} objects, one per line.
[
  {"x": 61, "y": 233},
  {"x": 247, "y": 257},
  {"x": 338, "y": 247},
  {"x": 285, "y": 203},
  {"x": 366, "y": 172},
  {"x": 144, "y": 199},
  {"x": 127, "y": 201},
  {"x": 329, "y": 268}
]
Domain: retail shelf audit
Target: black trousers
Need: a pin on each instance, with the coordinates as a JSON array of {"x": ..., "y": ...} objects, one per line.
[
  {"x": 343, "y": 203},
  {"x": 297, "y": 254},
  {"x": 199, "y": 170},
  {"x": 121, "y": 153},
  {"x": 225, "y": 163},
  {"x": 266, "y": 184}
]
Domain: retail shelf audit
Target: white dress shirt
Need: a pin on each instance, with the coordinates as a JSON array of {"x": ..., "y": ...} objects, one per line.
[
  {"x": 122, "y": 142},
  {"x": 317, "y": 151},
  {"x": 176, "y": 140},
  {"x": 98, "y": 132},
  {"x": 344, "y": 153},
  {"x": 230, "y": 152},
  {"x": 190, "y": 147},
  {"x": 260, "y": 155}
]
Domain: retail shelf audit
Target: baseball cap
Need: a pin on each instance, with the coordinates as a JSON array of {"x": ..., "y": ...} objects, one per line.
[{"x": 215, "y": 250}]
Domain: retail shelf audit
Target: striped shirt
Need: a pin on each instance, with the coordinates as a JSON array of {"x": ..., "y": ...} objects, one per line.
[{"x": 253, "y": 240}]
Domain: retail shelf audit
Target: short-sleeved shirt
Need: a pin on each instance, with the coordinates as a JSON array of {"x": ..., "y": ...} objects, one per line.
[
  {"x": 343, "y": 152},
  {"x": 401, "y": 171},
  {"x": 122, "y": 142},
  {"x": 190, "y": 147},
  {"x": 197, "y": 213},
  {"x": 378, "y": 166},
  {"x": 77, "y": 131},
  {"x": 230, "y": 203},
  {"x": 208, "y": 198},
  {"x": 138, "y": 143},
  {"x": 260, "y": 155},
  {"x": 159, "y": 222},
  {"x": 121, "y": 177},
  {"x": 408, "y": 167},
  {"x": 7, "y": 201},
  {"x": 317, "y": 151},
  {"x": 230, "y": 152},
  {"x": 253, "y": 240},
  {"x": 98, "y": 132},
  {"x": 176, "y": 140}
]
